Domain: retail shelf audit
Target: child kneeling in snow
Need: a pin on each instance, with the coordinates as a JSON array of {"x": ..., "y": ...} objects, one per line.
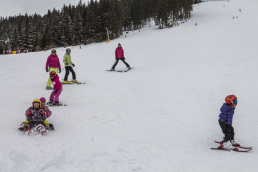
[
  {"x": 225, "y": 122},
  {"x": 48, "y": 113},
  {"x": 54, "y": 97}
]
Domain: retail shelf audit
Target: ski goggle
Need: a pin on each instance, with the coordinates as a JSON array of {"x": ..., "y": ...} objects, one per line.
[
  {"x": 53, "y": 51},
  {"x": 235, "y": 102}
]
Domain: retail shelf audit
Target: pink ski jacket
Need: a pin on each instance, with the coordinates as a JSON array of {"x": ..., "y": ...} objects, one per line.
[
  {"x": 53, "y": 62},
  {"x": 119, "y": 52},
  {"x": 57, "y": 84}
]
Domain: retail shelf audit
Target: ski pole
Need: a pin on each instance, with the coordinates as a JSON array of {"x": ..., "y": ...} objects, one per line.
[{"x": 62, "y": 70}]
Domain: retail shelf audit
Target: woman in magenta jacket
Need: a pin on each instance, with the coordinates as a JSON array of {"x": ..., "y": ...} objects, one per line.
[
  {"x": 52, "y": 64},
  {"x": 120, "y": 56}
]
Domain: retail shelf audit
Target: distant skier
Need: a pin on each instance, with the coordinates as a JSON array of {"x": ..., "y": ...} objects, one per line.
[
  {"x": 35, "y": 117},
  {"x": 120, "y": 56},
  {"x": 52, "y": 64},
  {"x": 233, "y": 17},
  {"x": 45, "y": 49},
  {"x": 225, "y": 122},
  {"x": 68, "y": 63},
  {"x": 195, "y": 24},
  {"x": 54, "y": 97}
]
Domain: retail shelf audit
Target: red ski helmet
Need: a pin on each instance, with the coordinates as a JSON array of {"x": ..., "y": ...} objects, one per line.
[
  {"x": 231, "y": 100},
  {"x": 52, "y": 74}
]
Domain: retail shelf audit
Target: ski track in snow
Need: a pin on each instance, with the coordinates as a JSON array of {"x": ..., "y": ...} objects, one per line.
[{"x": 159, "y": 117}]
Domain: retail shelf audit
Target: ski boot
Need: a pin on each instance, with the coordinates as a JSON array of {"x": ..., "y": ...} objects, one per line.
[
  {"x": 234, "y": 143},
  {"x": 112, "y": 69},
  {"x": 226, "y": 145},
  {"x": 66, "y": 82},
  {"x": 49, "y": 88},
  {"x": 128, "y": 68},
  {"x": 22, "y": 127},
  {"x": 50, "y": 103},
  {"x": 74, "y": 81},
  {"x": 56, "y": 103}
]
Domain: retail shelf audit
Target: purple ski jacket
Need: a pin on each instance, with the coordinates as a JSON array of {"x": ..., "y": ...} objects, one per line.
[
  {"x": 53, "y": 62},
  {"x": 119, "y": 52},
  {"x": 227, "y": 113}
]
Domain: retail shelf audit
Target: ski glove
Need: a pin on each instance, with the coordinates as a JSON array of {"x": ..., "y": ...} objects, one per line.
[
  {"x": 56, "y": 91},
  {"x": 66, "y": 63},
  {"x": 229, "y": 129},
  {"x": 73, "y": 65},
  {"x": 28, "y": 113},
  {"x": 42, "y": 112},
  {"x": 60, "y": 71},
  {"x": 47, "y": 69}
]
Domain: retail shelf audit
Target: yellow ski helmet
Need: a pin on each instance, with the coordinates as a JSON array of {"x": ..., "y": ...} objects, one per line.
[{"x": 36, "y": 101}]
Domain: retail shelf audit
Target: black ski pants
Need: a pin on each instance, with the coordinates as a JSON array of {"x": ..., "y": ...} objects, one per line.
[
  {"x": 117, "y": 60},
  {"x": 67, "y": 70},
  {"x": 225, "y": 129}
]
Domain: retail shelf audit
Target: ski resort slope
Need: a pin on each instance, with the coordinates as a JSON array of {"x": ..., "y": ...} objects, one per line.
[{"x": 162, "y": 116}]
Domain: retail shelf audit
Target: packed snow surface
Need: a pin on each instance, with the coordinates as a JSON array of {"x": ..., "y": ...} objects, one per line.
[{"x": 162, "y": 116}]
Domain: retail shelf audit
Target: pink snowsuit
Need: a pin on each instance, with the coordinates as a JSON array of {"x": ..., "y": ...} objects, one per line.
[{"x": 57, "y": 89}]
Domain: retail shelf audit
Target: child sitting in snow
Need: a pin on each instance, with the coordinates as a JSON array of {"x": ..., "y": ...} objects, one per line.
[
  {"x": 54, "y": 97},
  {"x": 48, "y": 113},
  {"x": 225, "y": 122},
  {"x": 35, "y": 117}
]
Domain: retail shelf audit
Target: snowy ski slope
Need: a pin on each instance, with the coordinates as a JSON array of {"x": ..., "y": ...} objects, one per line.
[{"x": 159, "y": 117}]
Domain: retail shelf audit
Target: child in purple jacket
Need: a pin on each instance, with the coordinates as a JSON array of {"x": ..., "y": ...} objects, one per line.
[
  {"x": 225, "y": 122},
  {"x": 54, "y": 97}
]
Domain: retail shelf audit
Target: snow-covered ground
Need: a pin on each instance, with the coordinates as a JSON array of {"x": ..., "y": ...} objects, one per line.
[{"x": 161, "y": 116}]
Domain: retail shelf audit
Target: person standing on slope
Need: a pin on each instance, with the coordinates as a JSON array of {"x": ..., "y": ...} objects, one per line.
[
  {"x": 120, "y": 56},
  {"x": 68, "y": 67},
  {"x": 54, "y": 97},
  {"x": 225, "y": 122},
  {"x": 52, "y": 64}
]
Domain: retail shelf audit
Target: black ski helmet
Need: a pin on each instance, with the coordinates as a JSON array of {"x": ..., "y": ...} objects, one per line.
[{"x": 68, "y": 50}]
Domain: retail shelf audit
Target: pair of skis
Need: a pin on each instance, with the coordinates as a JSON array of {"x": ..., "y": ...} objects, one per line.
[
  {"x": 53, "y": 105},
  {"x": 70, "y": 83},
  {"x": 246, "y": 149},
  {"x": 120, "y": 70}
]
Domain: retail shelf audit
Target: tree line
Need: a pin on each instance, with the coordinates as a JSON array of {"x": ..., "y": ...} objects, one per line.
[{"x": 88, "y": 23}]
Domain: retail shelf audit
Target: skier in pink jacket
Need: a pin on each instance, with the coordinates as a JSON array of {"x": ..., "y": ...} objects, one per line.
[
  {"x": 54, "y": 97},
  {"x": 120, "y": 56}
]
